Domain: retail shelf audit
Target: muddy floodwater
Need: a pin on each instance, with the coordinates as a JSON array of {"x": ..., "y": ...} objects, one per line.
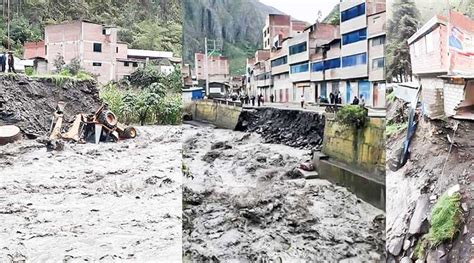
[
  {"x": 242, "y": 203},
  {"x": 107, "y": 202}
]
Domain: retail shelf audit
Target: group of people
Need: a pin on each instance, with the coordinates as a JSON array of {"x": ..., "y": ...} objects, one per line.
[
  {"x": 7, "y": 59},
  {"x": 337, "y": 99},
  {"x": 246, "y": 99}
]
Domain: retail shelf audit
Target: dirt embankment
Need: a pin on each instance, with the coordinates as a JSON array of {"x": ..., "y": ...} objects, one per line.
[
  {"x": 29, "y": 103},
  {"x": 301, "y": 129},
  {"x": 413, "y": 190},
  {"x": 242, "y": 203}
]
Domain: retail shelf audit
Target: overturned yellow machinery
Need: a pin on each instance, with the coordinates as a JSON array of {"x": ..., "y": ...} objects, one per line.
[{"x": 99, "y": 126}]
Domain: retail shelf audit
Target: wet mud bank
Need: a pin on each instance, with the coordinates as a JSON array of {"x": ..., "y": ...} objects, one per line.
[
  {"x": 243, "y": 202},
  {"x": 29, "y": 103},
  {"x": 301, "y": 129}
]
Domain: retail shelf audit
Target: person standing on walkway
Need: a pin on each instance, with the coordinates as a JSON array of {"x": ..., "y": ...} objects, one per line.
[
  {"x": 302, "y": 101},
  {"x": 253, "y": 100},
  {"x": 355, "y": 101},
  {"x": 258, "y": 100},
  {"x": 272, "y": 98},
  {"x": 362, "y": 101},
  {"x": 261, "y": 99},
  {"x": 11, "y": 62},
  {"x": 331, "y": 97},
  {"x": 3, "y": 62}
]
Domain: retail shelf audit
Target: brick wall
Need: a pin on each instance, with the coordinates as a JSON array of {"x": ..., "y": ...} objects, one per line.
[
  {"x": 432, "y": 97},
  {"x": 453, "y": 95}
]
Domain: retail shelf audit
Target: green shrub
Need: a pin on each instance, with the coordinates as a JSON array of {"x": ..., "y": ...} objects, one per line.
[
  {"x": 391, "y": 97},
  {"x": 352, "y": 116},
  {"x": 29, "y": 71},
  {"x": 394, "y": 128},
  {"x": 170, "y": 110},
  {"x": 445, "y": 219}
]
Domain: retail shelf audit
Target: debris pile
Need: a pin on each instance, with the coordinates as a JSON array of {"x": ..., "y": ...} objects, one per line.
[
  {"x": 300, "y": 129},
  {"x": 100, "y": 126},
  {"x": 28, "y": 103}
]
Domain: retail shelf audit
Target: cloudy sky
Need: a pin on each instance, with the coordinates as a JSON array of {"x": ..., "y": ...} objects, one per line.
[{"x": 306, "y": 10}]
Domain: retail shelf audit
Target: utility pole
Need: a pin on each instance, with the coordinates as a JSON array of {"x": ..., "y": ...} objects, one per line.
[{"x": 206, "y": 67}]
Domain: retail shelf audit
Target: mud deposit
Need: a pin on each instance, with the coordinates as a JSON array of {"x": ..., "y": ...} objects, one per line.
[
  {"x": 422, "y": 180},
  {"x": 107, "y": 202},
  {"x": 29, "y": 103},
  {"x": 241, "y": 204},
  {"x": 301, "y": 129}
]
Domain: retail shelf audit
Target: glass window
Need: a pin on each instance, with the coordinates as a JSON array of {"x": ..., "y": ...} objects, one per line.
[
  {"x": 354, "y": 60},
  {"x": 96, "y": 64},
  {"x": 126, "y": 63},
  {"x": 299, "y": 68},
  {"x": 378, "y": 63},
  {"x": 135, "y": 64},
  {"x": 97, "y": 47},
  {"x": 279, "y": 61},
  {"x": 353, "y": 12},
  {"x": 332, "y": 63},
  {"x": 299, "y": 48},
  {"x": 378, "y": 41},
  {"x": 317, "y": 66},
  {"x": 354, "y": 36}
]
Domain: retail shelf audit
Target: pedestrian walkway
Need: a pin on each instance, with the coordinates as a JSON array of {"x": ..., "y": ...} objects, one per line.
[{"x": 378, "y": 113}]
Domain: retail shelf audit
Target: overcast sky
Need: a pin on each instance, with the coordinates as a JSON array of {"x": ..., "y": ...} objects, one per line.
[{"x": 306, "y": 10}]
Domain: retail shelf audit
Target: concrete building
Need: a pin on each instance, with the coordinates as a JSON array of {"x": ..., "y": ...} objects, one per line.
[
  {"x": 323, "y": 58},
  {"x": 218, "y": 68},
  {"x": 443, "y": 62},
  {"x": 97, "y": 47},
  {"x": 279, "y": 27}
]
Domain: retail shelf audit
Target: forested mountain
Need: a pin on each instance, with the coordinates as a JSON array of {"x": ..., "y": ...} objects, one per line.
[
  {"x": 236, "y": 24},
  {"x": 144, "y": 24}
]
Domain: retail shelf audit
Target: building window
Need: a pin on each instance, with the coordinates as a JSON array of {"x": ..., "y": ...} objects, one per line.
[
  {"x": 378, "y": 63},
  {"x": 96, "y": 64},
  {"x": 97, "y": 47},
  {"x": 354, "y": 36},
  {"x": 126, "y": 64},
  {"x": 299, "y": 68},
  {"x": 104, "y": 31},
  {"x": 116, "y": 49},
  {"x": 135, "y": 64},
  {"x": 377, "y": 41},
  {"x": 429, "y": 43},
  {"x": 353, "y": 12},
  {"x": 46, "y": 50},
  {"x": 279, "y": 61},
  {"x": 354, "y": 60},
  {"x": 298, "y": 48},
  {"x": 328, "y": 64}
]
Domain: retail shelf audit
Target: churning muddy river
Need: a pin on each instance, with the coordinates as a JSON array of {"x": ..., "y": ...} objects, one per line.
[
  {"x": 242, "y": 203},
  {"x": 110, "y": 202}
]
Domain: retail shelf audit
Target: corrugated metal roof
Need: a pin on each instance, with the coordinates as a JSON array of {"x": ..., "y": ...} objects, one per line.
[{"x": 149, "y": 53}]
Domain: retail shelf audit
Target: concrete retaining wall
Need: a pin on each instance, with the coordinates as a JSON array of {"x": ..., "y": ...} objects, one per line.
[
  {"x": 364, "y": 149},
  {"x": 221, "y": 115}
]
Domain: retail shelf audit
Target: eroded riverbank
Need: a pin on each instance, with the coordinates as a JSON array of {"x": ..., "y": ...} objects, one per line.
[{"x": 241, "y": 204}]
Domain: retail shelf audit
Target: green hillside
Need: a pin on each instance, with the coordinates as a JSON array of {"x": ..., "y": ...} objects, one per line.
[{"x": 144, "y": 24}]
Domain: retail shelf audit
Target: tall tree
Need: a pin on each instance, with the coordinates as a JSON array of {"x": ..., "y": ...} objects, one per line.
[{"x": 403, "y": 24}]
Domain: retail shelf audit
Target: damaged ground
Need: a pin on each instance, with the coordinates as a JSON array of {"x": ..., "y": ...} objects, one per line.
[
  {"x": 292, "y": 127},
  {"x": 29, "y": 103},
  {"x": 413, "y": 190},
  {"x": 242, "y": 203},
  {"x": 93, "y": 202}
]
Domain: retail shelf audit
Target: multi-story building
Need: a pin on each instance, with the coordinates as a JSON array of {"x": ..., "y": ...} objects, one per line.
[
  {"x": 218, "y": 68},
  {"x": 280, "y": 73},
  {"x": 96, "y": 46},
  {"x": 376, "y": 28},
  {"x": 443, "y": 62},
  {"x": 279, "y": 27}
]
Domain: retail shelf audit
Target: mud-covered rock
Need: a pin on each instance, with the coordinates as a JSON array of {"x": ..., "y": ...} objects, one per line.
[
  {"x": 301, "y": 129},
  {"x": 29, "y": 103}
]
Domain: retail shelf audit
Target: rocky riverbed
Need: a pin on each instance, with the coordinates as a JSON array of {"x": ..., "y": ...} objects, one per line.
[
  {"x": 106, "y": 202},
  {"x": 242, "y": 203}
]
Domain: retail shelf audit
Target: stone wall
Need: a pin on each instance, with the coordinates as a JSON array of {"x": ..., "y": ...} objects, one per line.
[
  {"x": 363, "y": 149},
  {"x": 221, "y": 115},
  {"x": 453, "y": 95},
  {"x": 432, "y": 97}
]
